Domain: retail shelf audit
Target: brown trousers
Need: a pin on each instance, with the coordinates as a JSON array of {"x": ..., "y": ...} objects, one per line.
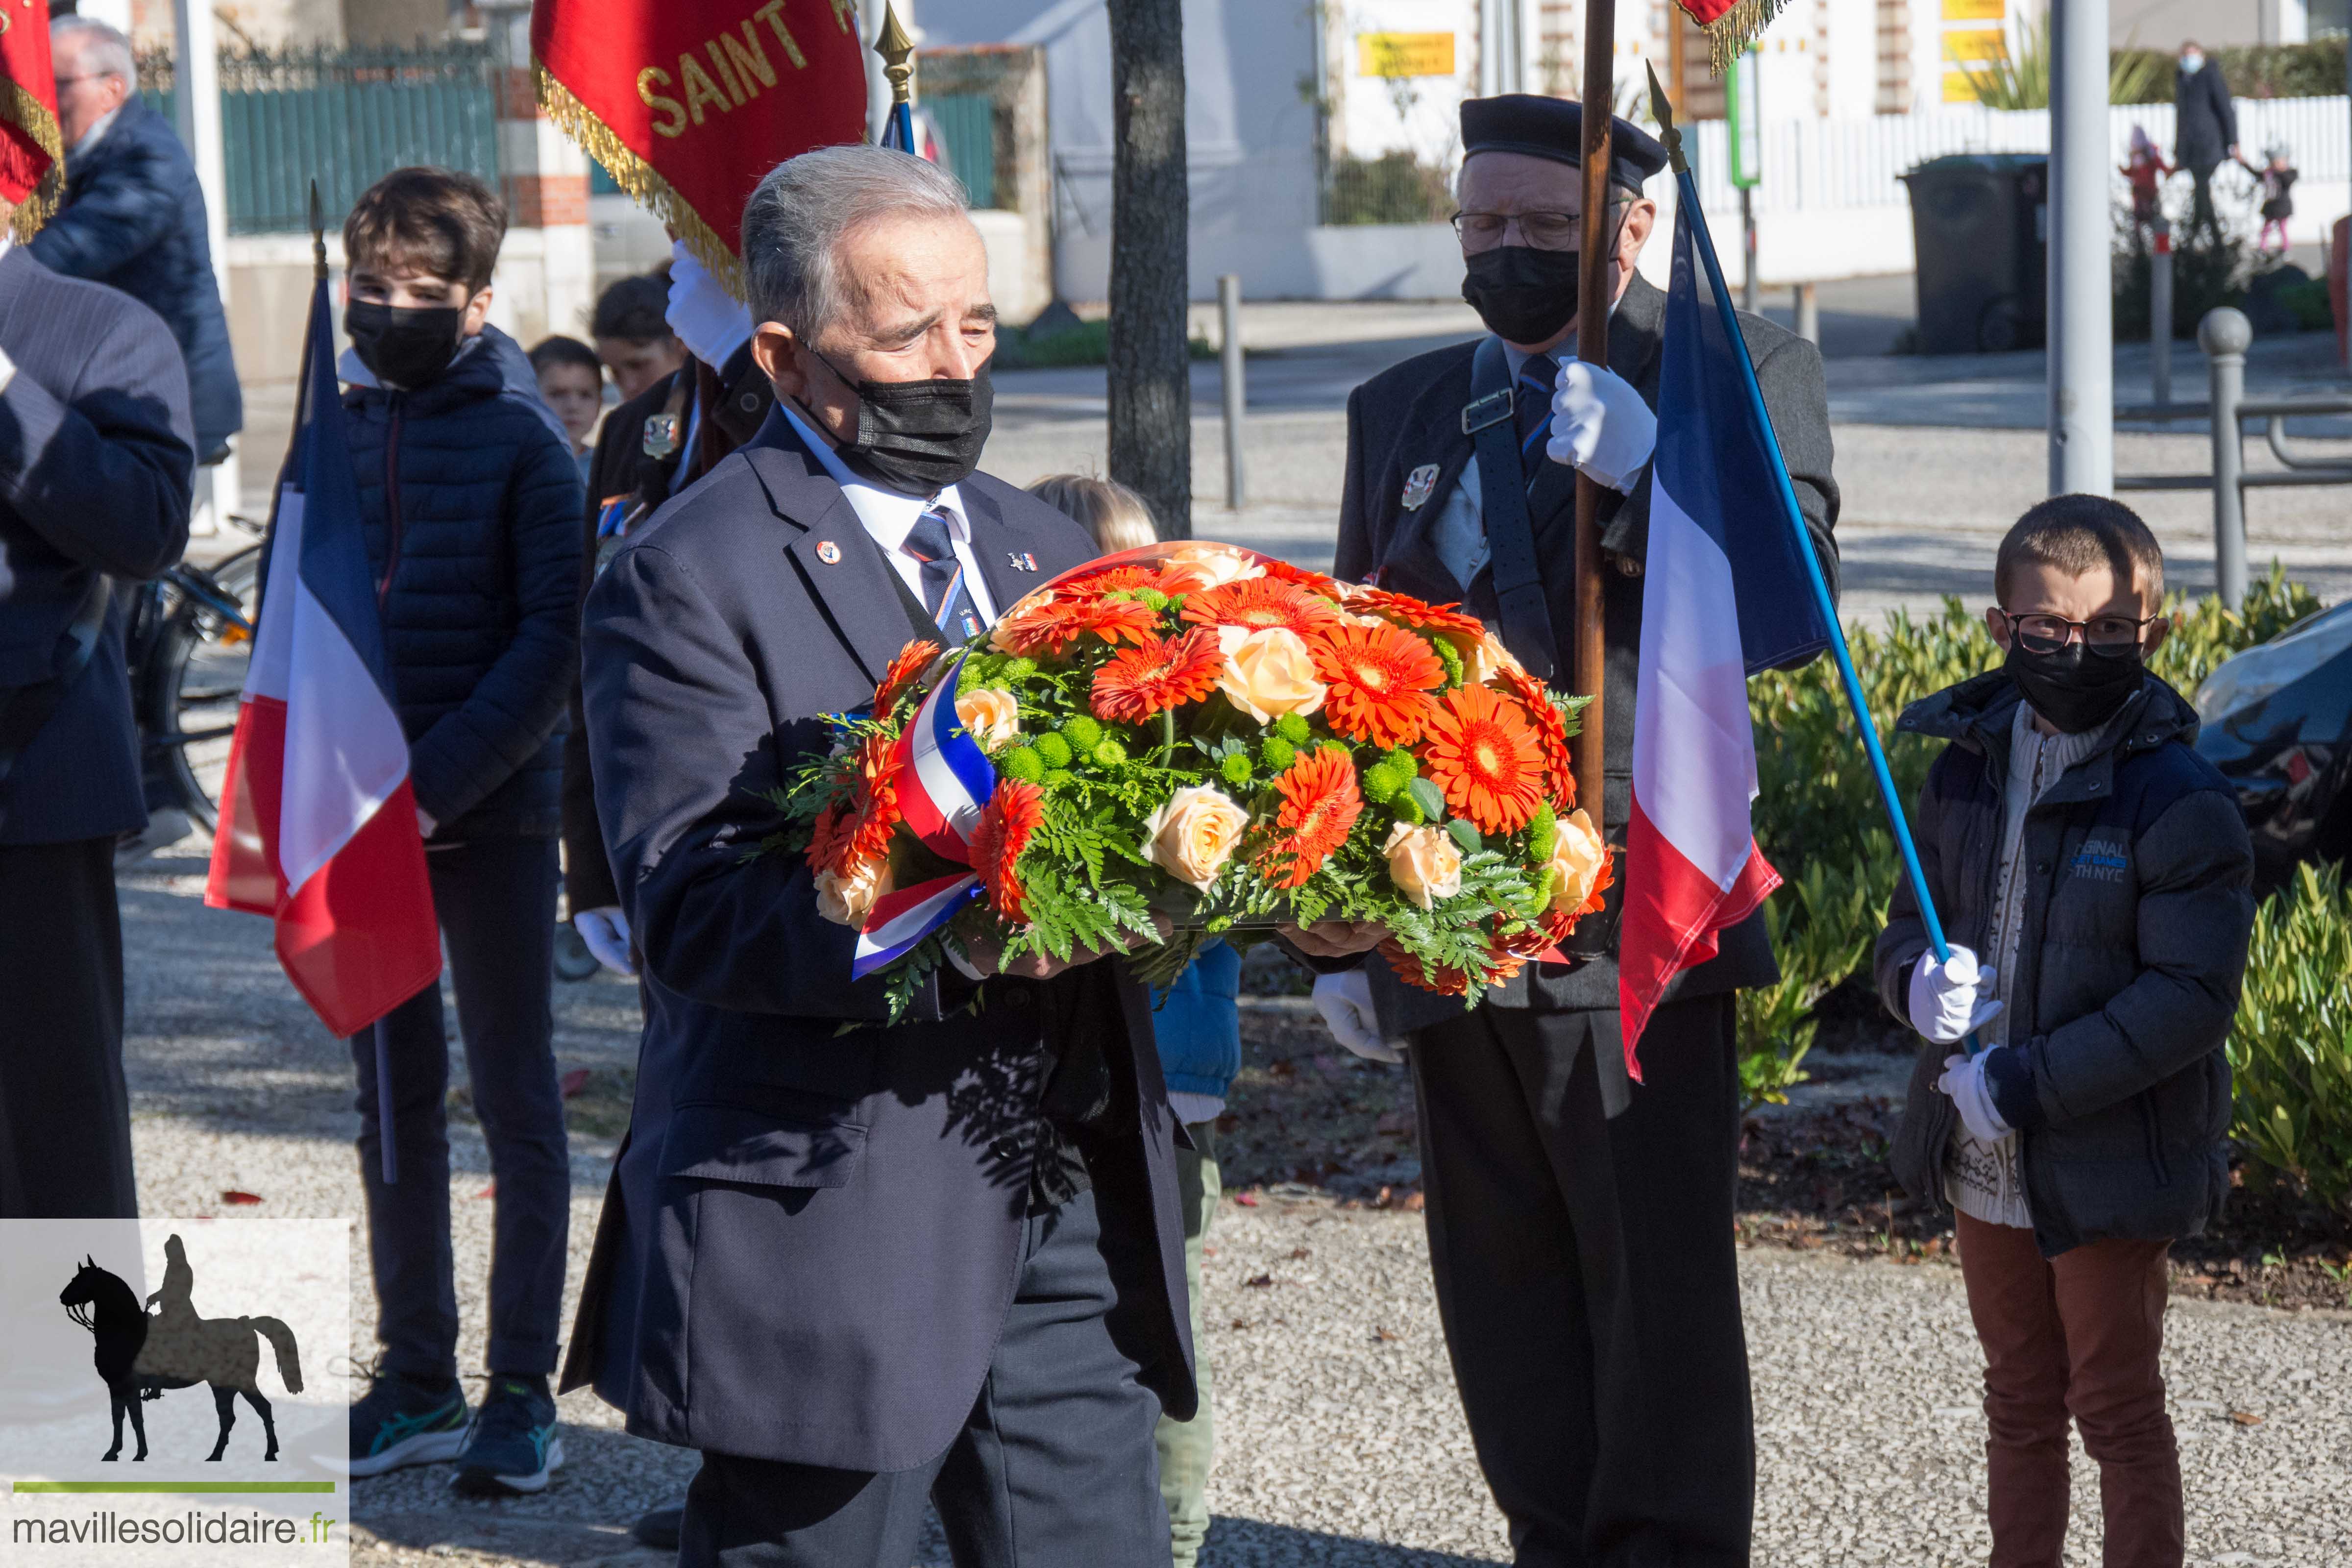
[{"x": 2074, "y": 1335}]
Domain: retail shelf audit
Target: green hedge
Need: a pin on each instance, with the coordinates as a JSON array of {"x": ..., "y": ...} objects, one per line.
[
  {"x": 1819, "y": 820},
  {"x": 2252, "y": 70}
]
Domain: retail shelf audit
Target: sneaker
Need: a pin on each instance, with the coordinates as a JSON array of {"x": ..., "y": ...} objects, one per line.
[
  {"x": 513, "y": 1446},
  {"x": 401, "y": 1422}
]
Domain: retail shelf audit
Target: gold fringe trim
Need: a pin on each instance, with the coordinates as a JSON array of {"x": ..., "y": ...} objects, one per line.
[
  {"x": 1729, "y": 34},
  {"x": 638, "y": 177},
  {"x": 29, "y": 114}
]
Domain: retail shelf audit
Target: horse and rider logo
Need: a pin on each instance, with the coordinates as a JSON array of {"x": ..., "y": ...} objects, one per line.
[{"x": 140, "y": 1355}]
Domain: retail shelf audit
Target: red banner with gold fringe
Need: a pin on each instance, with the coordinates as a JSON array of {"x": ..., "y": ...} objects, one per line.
[
  {"x": 32, "y": 159},
  {"x": 686, "y": 106},
  {"x": 1730, "y": 26}
]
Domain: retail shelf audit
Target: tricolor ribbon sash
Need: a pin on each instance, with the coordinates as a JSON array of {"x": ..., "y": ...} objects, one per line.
[{"x": 945, "y": 780}]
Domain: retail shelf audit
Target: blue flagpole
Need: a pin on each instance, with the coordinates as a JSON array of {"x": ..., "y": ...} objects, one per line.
[{"x": 1687, "y": 192}]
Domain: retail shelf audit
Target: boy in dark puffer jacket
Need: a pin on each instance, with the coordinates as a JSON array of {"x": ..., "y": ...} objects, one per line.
[
  {"x": 2073, "y": 837},
  {"x": 471, "y": 505}
]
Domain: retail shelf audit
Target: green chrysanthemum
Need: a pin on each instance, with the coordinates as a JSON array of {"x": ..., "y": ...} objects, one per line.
[
  {"x": 1084, "y": 732},
  {"x": 1276, "y": 753},
  {"x": 1236, "y": 769},
  {"x": 1053, "y": 749},
  {"x": 1023, "y": 762}
]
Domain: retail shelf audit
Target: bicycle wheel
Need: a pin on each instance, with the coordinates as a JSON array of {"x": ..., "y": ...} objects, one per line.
[{"x": 199, "y": 677}]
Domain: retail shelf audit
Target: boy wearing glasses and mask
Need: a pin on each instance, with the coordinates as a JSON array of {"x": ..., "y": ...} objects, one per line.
[
  {"x": 2094, "y": 876},
  {"x": 470, "y": 508}
]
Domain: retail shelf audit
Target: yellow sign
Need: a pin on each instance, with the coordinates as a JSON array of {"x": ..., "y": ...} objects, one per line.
[
  {"x": 1959, "y": 89},
  {"x": 1975, "y": 46},
  {"x": 1974, "y": 10},
  {"x": 1405, "y": 54}
]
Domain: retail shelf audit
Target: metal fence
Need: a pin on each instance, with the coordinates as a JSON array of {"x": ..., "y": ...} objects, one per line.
[
  {"x": 967, "y": 126},
  {"x": 343, "y": 117}
]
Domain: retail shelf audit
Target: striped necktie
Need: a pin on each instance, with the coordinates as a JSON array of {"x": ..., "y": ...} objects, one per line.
[
  {"x": 1532, "y": 402},
  {"x": 944, "y": 595}
]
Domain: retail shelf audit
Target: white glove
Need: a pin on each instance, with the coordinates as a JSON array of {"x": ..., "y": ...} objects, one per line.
[
  {"x": 424, "y": 823},
  {"x": 1345, "y": 1000},
  {"x": 1601, "y": 426},
  {"x": 1945, "y": 997},
  {"x": 1964, "y": 1080},
  {"x": 606, "y": 932}
]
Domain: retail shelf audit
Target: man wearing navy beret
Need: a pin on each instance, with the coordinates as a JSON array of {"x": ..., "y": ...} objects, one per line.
[{"x": 1580, "y": 1225}]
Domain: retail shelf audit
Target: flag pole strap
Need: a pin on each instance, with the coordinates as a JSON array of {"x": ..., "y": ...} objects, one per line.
[{"x": 1688, "y": 192}]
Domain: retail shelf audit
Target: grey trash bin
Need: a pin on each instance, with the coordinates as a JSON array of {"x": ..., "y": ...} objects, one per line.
[{"x": 1979, "y": 229}]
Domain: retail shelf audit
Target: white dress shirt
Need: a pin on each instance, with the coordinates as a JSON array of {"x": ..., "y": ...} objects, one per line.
[{"x": 890, "y": 515}]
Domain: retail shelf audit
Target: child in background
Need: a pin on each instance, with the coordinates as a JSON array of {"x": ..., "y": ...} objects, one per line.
[
  {"x": 571, "y": 381},
  {"x": 2278, "y": 177},
  {"x": 2146, "y": 173},
  {"x": 2073, "y": 836},
  {"x": 469, "y": 509},
  {"x": 1198, "y": 1024},
  {"x": 633, "y": 333}
]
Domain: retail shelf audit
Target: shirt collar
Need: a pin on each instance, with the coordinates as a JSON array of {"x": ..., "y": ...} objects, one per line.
[
  {"x": 95, "y": 133},
  {"x": 888, "y": 515}
]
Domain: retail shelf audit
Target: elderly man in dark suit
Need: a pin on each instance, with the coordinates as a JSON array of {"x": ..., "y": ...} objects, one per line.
[
  {"x": 1580, "y": 1227},
  {"x": 94, "y": 468},
  {"x": 861, "y": 1265}
]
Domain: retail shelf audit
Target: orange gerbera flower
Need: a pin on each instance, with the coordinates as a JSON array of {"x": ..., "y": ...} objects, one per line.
[
  {"x": 1140, "y": 681},
  {"x": 1551, "y": 734},
  {"x": 1125, "y": 577},
  {"x": 859, "y": 828},
  {"x": 1444, "y": 979},
  {"x": 910, "y": 663},
  {"x": 1410, "y": 612},
  {"x": 1010, "y": 815},
  {"x": 1320, "y": 803},
  {"x": 1481, "y": 752},
  {"x": 1259, "y": 602},
  {"x": 1052, "y": 626},
  {"x": 1317, "y": 583},
  {"x": 1380, "y": 678}
]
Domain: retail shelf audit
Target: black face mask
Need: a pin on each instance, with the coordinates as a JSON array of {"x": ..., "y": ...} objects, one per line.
[
  {"x": 1524, "y": 295},
  {"x": 404, "y": 346},
  {"x": 919, "y": 437},
  {"x": 2076, "y": 689}
]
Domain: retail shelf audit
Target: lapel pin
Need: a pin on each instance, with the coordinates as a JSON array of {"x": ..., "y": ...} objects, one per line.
[
  {"x": 828, "y": 551},
  {"x": 1021, "y": 559},
  {"x": 1418, "y": 485}
]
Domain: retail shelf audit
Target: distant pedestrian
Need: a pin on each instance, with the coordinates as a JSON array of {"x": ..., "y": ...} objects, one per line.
[
  {"x": 2278, "y": 176},
  {"x": 2094, "y": 874},
  {"x": 2205, "y": 132},
  {"x": 633, "y": 334},
  {"x": 133, "y": 216},
  {"x": 1197, "y": 1023},
  {"x": 95, "y": 461},
  {"x": 571, "y": 382},
  {"x": 470, "y": 512},
  {"x": 2146, "y": 173}
]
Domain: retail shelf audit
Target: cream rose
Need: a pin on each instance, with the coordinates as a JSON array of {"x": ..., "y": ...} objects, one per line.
[
  {"x": 991, "y": 714},
  {"x": 1423, "y": 863},
  {"x": 1214, "y": 563},
  {"x": 845, "y": 901},
  {"x": 1269, "y": 673},
  {"x": 1483, "y": 658},
  {"x": 1193, "y": 834},
  {"x": 1577, "y": 857}
]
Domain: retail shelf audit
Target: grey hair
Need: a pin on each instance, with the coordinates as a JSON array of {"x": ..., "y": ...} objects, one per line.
[
  {"x": 109, "y": 51},
  {"x": 794, "y": 224}
]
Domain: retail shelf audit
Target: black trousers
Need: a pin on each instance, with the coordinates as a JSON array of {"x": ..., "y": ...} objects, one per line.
[
  {"x": 1055, "y": 1467},
  {"x": 65, "y": 1115},
  {"x": 1587, "y": 1280},
  {"x": 496, "y": 901}
]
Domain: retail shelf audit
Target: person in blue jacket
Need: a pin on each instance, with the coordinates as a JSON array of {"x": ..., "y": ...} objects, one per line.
[{"x": 133, "y": 216}]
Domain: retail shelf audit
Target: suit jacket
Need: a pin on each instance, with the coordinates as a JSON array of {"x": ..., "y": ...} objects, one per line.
[
  {"x": 133, "y": 219},
  {"x": 814, "y": 1229},
  {"x": 1409, "y": 417},
  {"x": 95, "y": 460}
]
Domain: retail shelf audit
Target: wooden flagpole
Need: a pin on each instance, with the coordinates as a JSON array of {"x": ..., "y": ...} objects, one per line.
[{"x": 1592, "y": 296}]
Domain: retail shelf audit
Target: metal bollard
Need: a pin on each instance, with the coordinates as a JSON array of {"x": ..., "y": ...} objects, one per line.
[
  {"x": 2159, "y": 311},
  {"x": 1809, "y": 315},
  {"x": 1229, "y": 319},
  {"x": 2223, "y": 334}
]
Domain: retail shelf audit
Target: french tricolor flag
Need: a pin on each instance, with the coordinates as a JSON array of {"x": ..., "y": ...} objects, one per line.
[
  {"x": 946, "y": 780},
  {"x": 318, "y": 827},
  {"x": 1724, "y": 594}
]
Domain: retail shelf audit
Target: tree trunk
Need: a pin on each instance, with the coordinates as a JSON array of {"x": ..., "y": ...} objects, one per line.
[{"x": 1150, "y": 372}]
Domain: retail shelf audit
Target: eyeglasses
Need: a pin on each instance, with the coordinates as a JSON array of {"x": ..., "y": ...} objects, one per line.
[
  {"x": 65, "y": 81},
  {"x": 2112, "y": 637},
  {"x": 1545, "y": 231}
]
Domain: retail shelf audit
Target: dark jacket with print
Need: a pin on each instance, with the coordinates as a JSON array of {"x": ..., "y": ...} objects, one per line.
[
  {"x": 470, "y": 503},
  {"x": 2137, "y": 912}
]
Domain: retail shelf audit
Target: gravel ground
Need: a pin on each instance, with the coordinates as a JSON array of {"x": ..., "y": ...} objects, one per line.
[{"x": 1342, "y": 1444}]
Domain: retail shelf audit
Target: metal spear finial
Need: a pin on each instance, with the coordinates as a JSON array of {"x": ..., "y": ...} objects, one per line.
[
  {"x": 895, "y": 47},
  {"x": 1661, "y": 109}
]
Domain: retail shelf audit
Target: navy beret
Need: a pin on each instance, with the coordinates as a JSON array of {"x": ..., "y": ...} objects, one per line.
[{"x": 1554, "y": 128}]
